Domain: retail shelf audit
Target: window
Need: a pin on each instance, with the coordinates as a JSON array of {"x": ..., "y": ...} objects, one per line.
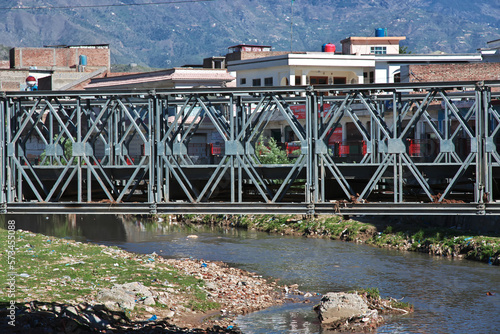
[
  {"x": 256, "y": 82},
  {"x": 268, "y": 81},
  {"x": 243, "y": 81},
  {"x": 339, "y": 81},
  {"x": 397, "y": 77},
  {"x": 378, "y": 50},
  {"x": 318, "y": 80}
]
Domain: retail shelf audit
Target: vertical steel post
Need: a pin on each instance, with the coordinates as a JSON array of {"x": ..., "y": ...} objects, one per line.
[
  {"x": 3, "y": 166},
  {"x": 314, "y": 157},
  {"x": 322, "y": 170},
  {"x": 480, "y": 149},
  {"x": 152, "y": 190},
  {"x": 395, "y": 159},
  {"x": 79, "y": 140},
  {"x": 19, "y": 175},
  {"x": 232, "y": 119},
  {"x": 8, "y": 165},
  {"x": 158, "y": 142},
  {"x": 490, "y": 141},
  {"x": 308, "y": 141},
  {"x": 243, "y": 117}
]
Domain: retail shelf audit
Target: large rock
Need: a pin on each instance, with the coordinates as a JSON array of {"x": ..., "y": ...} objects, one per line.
[
  {"x": 124, "y": 296},
  {"x": 337, "y": 306}
]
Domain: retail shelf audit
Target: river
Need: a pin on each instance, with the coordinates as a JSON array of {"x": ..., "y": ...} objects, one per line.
[{"x": 449, "y": 295}]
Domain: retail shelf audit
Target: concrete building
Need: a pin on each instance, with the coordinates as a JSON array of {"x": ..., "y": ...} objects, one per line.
[
  {"x": 200, "y": 146},
  {"x": 55, "y": 67},
  {"x": 362, "y": 60}
]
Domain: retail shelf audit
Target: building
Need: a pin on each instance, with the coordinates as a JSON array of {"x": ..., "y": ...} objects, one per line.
[
  {"x": 361, "y": 60},
  {"x": 55, "y": 67},
  {"x": 179, "y": 77}
]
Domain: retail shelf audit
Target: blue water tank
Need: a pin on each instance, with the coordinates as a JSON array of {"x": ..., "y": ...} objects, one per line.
[
  {"x": 323, "y": 47},
  {"x": 380, "y": 32},
  {"x": 83, "y": 60}
]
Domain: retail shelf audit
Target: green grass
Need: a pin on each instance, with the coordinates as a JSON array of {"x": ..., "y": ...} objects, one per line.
[
  {"x": 64, "y": 270},
  {"x": 371, "y": 293},
  {"x": 437, "y": 241}
]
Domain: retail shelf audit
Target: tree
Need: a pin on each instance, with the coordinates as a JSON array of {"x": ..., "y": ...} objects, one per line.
[
  {"x": 67, "y": 147},
  {"x": 404, "y": 50},
  {"x": 270, "y": 153}
]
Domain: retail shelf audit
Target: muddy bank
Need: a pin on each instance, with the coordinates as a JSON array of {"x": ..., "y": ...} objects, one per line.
[
  {"x": 66, "y": 286},
  {"x": 433, "y": 236}
]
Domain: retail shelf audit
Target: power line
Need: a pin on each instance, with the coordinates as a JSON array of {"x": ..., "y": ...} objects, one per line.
[{"x": 110, "y": 5}]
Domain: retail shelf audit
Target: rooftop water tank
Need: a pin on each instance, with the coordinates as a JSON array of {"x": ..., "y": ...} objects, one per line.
[
  {"x": 30, "y": 81},
  {"x": 380, "y": 32},
  {"x": 323, "y": 47},
  {"x": 329, "y": 47},
  {"x": 83, "y": 60}
]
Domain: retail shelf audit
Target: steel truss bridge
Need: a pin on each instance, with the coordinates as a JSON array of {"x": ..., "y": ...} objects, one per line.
[{"x": 458, "y": 175}]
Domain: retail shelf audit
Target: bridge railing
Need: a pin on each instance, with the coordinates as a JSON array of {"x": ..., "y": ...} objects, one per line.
[{"x": 425, "y": 142}]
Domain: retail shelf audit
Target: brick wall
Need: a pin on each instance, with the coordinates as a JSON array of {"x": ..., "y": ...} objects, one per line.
[
  {"x": 252, "y": 55},
  {"x": 11, "y": 80},
  {"x": 4, "y": 64},
  {"x": 454, "y": 72},
  {"x": 48, "y": 58}
]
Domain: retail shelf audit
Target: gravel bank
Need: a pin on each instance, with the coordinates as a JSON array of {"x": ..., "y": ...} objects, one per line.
[{"x": 72, "y": 287}]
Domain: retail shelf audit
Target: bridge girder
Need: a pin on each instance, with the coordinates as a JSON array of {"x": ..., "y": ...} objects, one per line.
[{"x": 75, "y": 149}]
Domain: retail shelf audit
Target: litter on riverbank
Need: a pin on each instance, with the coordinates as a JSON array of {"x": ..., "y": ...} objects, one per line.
[{"x": 68, "y": 285}]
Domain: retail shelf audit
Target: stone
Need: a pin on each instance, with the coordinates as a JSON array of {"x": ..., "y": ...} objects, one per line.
[
  {"x": 210, "y": 286},
  {"x": 71, "y": 310},
  {"x": 134, "y": 288},
  {"x": 336, "y": 306},
  {"x": 149, "y": 301},
  {"x": 124, "y": 296},
  {"x": 116, "y": 296},
  {"x": 94, "y": 319}
]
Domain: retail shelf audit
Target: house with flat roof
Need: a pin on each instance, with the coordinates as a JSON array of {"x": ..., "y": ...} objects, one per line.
[{"x": 361, "y": 60}]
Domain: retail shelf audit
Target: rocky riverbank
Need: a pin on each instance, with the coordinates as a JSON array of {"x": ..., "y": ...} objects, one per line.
[
  {"x": 66, "y": 286},
  {"x": 395, "y": 233}
]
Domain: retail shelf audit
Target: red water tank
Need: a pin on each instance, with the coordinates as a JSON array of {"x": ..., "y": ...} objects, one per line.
[
  {"x": 330, "y": 47},
  {"x": 31, "y": 81}
]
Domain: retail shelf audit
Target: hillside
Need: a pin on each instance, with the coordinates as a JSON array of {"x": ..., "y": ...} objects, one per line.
[{"x": 178, "y": 33}]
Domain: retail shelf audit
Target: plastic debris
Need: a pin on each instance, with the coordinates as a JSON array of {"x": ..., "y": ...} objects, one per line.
[{"x": 153, "y": 318}]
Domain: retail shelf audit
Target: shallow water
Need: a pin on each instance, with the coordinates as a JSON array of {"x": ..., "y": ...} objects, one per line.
[{"x": 449, "y": 295}]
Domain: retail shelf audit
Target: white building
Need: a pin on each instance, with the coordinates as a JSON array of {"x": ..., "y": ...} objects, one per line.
[{"x": 363, "y": 60}]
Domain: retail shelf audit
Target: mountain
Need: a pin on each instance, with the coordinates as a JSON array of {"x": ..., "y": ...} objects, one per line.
[{"x": 184, "y": 32}]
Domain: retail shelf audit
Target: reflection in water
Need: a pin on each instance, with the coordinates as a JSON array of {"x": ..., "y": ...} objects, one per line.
[
  {"x": 83, "y": 227},
  {"x": 449, "y": 295}
]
